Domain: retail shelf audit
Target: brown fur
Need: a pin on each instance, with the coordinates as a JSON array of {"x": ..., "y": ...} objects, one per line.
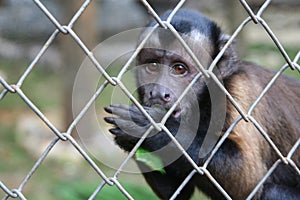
[
  {"x": 245, "y": 89},
  {"x": 245, "y": 156}
]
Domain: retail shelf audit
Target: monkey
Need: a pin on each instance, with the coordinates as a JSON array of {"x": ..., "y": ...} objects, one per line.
[{"x": 165, "y": 70}]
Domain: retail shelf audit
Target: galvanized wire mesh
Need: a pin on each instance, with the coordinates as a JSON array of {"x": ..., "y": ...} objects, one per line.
[{"x": 66, "y": 136}]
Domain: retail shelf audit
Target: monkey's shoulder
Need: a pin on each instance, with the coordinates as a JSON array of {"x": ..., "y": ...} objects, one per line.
[{"x": 255, "y": 76}]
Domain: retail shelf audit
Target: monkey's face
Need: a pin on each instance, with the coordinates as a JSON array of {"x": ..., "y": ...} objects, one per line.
[
  {"x": 162, "y": 77},
  {"x": 165, "y": 69}
]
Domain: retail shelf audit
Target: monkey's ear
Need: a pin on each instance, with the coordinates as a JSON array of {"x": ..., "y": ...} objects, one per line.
[
  {"x": 226, "y": 64},
  {"x": 230, "y": 51}
]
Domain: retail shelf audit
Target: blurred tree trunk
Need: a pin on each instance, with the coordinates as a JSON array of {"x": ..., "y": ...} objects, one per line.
[
  {"x": 72, "y": 54},
  {"x": 235, "y": 15}
]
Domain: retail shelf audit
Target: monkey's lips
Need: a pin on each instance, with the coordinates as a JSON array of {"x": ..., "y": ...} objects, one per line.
[{"x": 176, "y": 113}]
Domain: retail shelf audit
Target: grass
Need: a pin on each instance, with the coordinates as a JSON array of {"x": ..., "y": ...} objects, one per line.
[{"x": 83, "y": 191}]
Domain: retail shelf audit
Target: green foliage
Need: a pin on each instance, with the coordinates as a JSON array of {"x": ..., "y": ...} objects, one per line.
[
  {"x": 41, "y": 86},
  {"x": 78, "y": 190},
  {"x": 12, "y": 155},
  {"x": 149, "y": 159},
  {"x": 72, "y": 190},
  {"x": 272, "y": 58}
]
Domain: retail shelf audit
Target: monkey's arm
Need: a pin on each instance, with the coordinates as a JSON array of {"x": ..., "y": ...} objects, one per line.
[
  {"x": 275, "y": 191},
  {"x": 164, "y": 185},
  {"x": 130, "y": 124}
]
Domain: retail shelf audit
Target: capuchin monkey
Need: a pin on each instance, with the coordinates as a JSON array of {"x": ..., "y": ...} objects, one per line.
[{"x": 164, "y": 70}]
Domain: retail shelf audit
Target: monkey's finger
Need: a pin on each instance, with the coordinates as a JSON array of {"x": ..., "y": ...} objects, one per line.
[
  {"x": 121, "y": 106},
  {"x": 133, "y": 109},
  {"x": 117, "y": 132},
  {"x": 125, "y": 111},
  {"x": 121, "y": 123},
  {"x": 108, "y": 109},
  {"x": 111, "y": 108},
  {"x": 116, "y": 111},
  {"x": 130, "y": 127},
  {"x": 110, "y": 120},
  {"x": 122, "y": 112}
]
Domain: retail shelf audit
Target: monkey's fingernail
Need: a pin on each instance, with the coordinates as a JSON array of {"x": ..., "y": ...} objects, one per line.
[
  {"x": 116, "y": 132},
  {"x": 108, "y": 109},
  {"x": 109, "y": 120}
]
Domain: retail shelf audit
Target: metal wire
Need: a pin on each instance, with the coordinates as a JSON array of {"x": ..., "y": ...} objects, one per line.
[{"x": 66, "y": 137}]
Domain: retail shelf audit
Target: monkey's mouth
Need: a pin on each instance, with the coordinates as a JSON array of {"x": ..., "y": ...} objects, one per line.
[{"x": 176, "y": 113}]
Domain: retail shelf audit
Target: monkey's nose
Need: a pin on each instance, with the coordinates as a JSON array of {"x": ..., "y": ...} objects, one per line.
[
  {"x": 161, "y": 94},
  {"x": 167, "y": 97}
]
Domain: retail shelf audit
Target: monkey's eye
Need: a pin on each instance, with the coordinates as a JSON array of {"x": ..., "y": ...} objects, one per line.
[
  {"x": 152, "y": 67},
  {"x": 179, "y": 69}
]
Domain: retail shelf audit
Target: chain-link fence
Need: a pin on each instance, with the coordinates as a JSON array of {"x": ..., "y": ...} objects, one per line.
[{"x": 245, "y": 115}]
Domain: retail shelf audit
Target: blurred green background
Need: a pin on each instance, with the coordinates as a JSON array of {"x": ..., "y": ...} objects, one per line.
[{"x": 23, "y": 137}]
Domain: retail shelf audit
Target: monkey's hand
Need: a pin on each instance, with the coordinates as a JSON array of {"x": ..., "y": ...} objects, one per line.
[{"x": 130, "y": 123}]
